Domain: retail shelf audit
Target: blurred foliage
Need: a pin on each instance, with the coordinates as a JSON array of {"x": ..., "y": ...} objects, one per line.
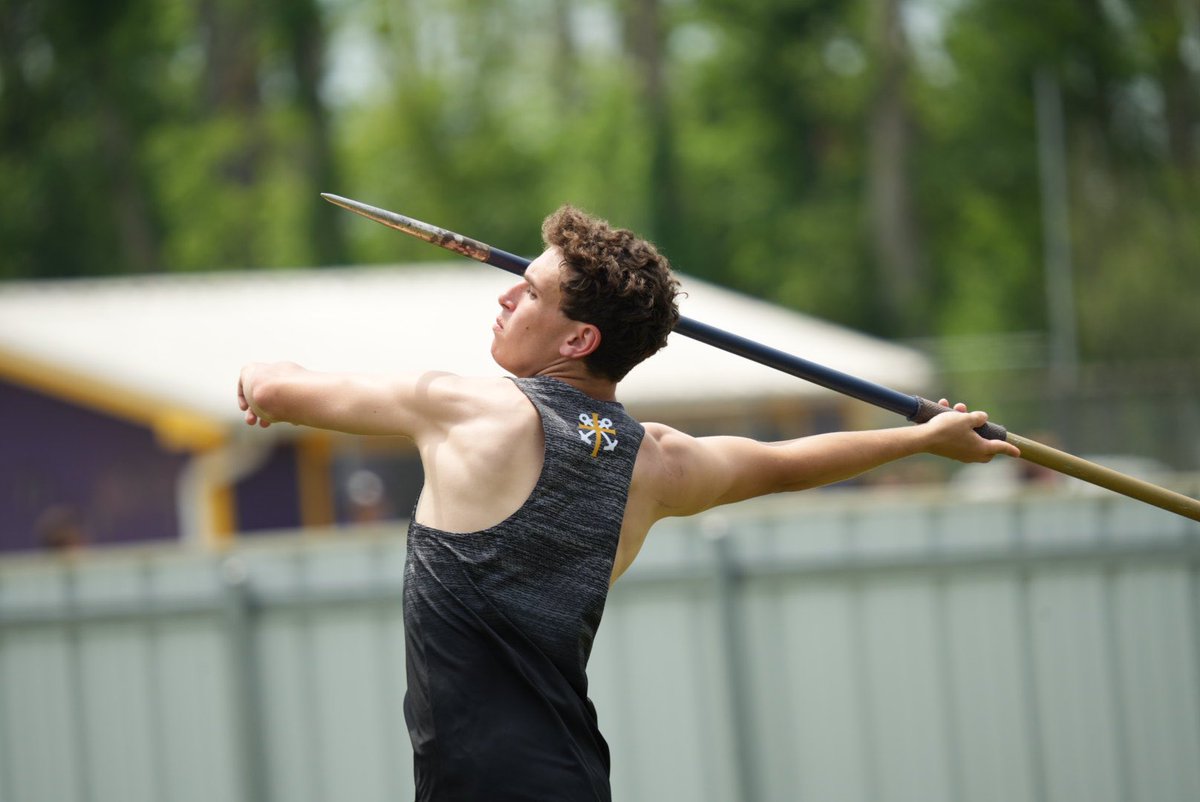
[{"x": 875, "y": 163}]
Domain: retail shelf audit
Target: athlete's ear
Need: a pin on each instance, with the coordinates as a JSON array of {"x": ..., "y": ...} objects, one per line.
[{"x": 584, "y": 340}]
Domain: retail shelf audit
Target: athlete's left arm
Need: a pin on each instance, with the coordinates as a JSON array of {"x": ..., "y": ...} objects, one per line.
[{"x": 705, "y": 472}]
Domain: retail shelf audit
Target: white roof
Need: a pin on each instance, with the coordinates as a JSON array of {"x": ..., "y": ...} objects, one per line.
[{"x": 183, "y": 337}]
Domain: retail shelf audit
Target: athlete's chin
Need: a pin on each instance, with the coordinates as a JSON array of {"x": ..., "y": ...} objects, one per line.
[{"x": 499, "y": 358}]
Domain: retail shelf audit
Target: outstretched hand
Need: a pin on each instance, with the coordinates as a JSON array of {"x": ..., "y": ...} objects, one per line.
[
  {"x": 952, "y": 435},
  {"x": 251, "y": 417}
]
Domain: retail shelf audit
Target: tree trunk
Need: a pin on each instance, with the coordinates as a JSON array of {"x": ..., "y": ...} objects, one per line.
[
  {"x": 136, "y": 228},
  {"x": 892, "y": 218},
  {"x": 566, "y": 82},
  {"x": 644, "y": 31},
  {"x": 302, "y": 26},
  {"x": 232, "y": 60}
]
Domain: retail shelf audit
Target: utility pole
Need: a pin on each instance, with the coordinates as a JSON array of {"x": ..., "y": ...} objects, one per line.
[{"x": 1056, "y": 250}]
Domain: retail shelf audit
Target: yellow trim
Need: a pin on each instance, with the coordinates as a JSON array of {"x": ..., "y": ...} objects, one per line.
[
  {"x": 175, "y": 427},
  {"x": 314, "y": 480},
  {"x": 183, "y": 430},
  {"x": 222, "y": 515}
]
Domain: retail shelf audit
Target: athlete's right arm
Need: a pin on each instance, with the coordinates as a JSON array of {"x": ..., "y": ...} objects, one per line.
[
  {"x": 346, "y": 402},
  {"x": 687, "y": 475}
]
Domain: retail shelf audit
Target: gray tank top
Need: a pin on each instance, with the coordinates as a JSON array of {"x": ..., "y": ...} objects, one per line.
[{"x": 499, "y": 624}]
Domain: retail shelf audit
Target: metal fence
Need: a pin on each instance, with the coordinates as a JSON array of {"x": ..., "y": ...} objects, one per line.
[{"x": 833, "y": 646}]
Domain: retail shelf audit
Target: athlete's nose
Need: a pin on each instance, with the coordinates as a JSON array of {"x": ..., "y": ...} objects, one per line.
[{"x": 506, "y": 297}]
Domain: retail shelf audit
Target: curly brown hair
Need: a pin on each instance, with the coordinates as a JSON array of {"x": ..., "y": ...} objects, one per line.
[{"x": 619, "y": 283}]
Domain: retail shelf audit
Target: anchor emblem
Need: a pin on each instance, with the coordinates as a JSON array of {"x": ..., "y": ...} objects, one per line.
[{"x": 593, "y": 428}]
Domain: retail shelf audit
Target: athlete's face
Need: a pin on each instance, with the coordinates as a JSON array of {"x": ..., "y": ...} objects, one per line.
[{"x": 531, "y": 331}]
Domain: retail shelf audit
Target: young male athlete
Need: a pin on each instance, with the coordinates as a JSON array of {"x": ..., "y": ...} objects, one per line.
[{"x": 516, "y": 540}]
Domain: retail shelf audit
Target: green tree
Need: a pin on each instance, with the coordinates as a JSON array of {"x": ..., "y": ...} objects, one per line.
[
  {"x": 140, "y": 136},
  {"x": 77, "y": 101},
  {"x": 1132, "y": 187}
]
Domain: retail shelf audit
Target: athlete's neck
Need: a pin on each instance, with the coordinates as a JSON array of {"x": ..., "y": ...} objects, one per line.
[{"x": 594, "y": 386}]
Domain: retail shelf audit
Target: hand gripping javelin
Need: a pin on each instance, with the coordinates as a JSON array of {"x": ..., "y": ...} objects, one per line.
[{"x": 913, "y": 407}]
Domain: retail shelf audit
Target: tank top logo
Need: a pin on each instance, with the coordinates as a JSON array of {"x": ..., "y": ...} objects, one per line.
[{"x": 593, "y": 428}]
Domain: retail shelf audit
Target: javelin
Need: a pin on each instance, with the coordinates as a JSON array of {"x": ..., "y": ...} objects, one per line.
[{"x": 912, "y": 407}]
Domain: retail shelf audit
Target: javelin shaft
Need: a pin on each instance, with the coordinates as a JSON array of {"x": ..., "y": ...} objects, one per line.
[
  {"x": 1092, "y": 473},
  {"x": 912, "y": 407}
]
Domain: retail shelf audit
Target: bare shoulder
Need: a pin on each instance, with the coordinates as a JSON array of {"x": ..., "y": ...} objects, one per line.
[
  {"x": 459, "y": 397},
  {"x": 664, "y": 476},
  {"x": 663, "y": 485},
  {"x": 686, "y": 475},
  {"x": 662, "y": 449},
  {"x": 449, "y": 401}
]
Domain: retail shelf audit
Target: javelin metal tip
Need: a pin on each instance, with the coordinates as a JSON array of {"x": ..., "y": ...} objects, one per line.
[
  {"x": 391, "y": 219},
  {"x": 469, "y": 248},
  {"x": 338, "y": 200}
]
